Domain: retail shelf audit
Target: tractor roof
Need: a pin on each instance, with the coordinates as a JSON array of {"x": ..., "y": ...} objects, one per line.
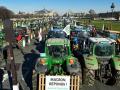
[
  {"x": 58, "y": 41},
  {"x": 95, "y": 40},
  {"x": 116, "y": 32},
  {"x": 57, "y": 30}
]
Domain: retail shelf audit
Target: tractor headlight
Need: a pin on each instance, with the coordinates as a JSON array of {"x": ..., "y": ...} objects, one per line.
[
  {"x": 41, "y": 66},
  {"x": 42, "y": 61},
  {"x": 73, "y": 66},
  {"x": 71, "y": 61}
]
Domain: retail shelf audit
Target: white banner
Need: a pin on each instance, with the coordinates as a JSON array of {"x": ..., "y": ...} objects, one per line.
[
  {"x": 23, "y": 43},
  {"x": 67, "y": 29},
  {"x": 57, "y": 83}
]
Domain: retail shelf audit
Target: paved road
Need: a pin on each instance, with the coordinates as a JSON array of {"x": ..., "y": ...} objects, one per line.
[
  {"x": 101, "y": 86},
  {"x": 26, "y": 62}
]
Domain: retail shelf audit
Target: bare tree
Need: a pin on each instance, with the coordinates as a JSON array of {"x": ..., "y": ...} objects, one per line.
[
  {"x": 92, "y": 13},
  {"x": 5, "y": 13}
]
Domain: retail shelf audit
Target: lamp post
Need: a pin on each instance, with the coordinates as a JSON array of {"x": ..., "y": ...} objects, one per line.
[{"x": 112, "y": 9}]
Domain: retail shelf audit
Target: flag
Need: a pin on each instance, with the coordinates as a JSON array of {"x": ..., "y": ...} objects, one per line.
[
  {"x": 40, "y": 35},
  {"x": 67, "y": 29}
]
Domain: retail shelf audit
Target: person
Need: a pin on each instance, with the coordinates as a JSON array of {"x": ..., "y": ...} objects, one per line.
[
  {"x": 19, "y": 37},
  {"x": 93, "y": 32},
  {"x": 40, "y": 35},
  {"x": 75, "y": 44}
]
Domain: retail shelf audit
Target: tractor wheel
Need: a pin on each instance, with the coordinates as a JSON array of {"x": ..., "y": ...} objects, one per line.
[
  {"x": 117, "y": 83},
  {"x": 88, "y": 77},
  {"x": 35, "y": 81}
]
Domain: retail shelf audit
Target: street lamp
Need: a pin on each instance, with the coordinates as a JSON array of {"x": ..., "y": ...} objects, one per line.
[{"x": 112, "y": 8}]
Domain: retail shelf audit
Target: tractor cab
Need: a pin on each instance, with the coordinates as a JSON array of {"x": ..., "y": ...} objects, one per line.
[
  {"x": 78, "y": 38},
  {"x": 58, "y": 51},
  {"x": 101, "y": 60},
  {"x": 56, "y": 33},
  {"x": 57, "y": 47},
  {"x": 101, "y": 47},
  {"x": 113, "y": 35}
]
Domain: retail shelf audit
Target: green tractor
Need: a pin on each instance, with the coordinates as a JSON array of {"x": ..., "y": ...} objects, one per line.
[
  {"x": 3, "y": 45},
  {"x": 2, "y": 38},
  {"x": 101, "y": 62},
  {"x": 58, "y": 60}
]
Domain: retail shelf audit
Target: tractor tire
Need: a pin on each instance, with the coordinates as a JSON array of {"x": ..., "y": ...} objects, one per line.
[
  {"x": 88, "y": 77},
  {"x": 117, "y": 83},
  {"x": 35, "y": 81}
]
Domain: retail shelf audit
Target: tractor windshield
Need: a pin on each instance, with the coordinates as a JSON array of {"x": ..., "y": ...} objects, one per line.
[
  {"x": 113, "y": 36},
  {"x": 55, "y": 34},
  {"x": 75, "y": 33},
  {"x": 104, "y": 50},
  {"x": 57, "y": 50},
  {"x": 118, "y": 36}
]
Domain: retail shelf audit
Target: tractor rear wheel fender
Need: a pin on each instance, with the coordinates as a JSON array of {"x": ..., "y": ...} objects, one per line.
[
  {"x": 91, "y": 64},
  {"x": 116, "y": 63}
]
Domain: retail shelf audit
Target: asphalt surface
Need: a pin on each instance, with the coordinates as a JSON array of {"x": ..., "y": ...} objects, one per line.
[{"x": 25, "y": 64}]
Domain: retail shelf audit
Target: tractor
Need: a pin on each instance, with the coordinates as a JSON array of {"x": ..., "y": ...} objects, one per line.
[
  {"x": 78, "y": 38},
  {"x": 3, "y": 46},
  {"x": 58, "y": 60},
  {"x": 114, "y": 35},
  {"x": 101, "y": 62}
]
